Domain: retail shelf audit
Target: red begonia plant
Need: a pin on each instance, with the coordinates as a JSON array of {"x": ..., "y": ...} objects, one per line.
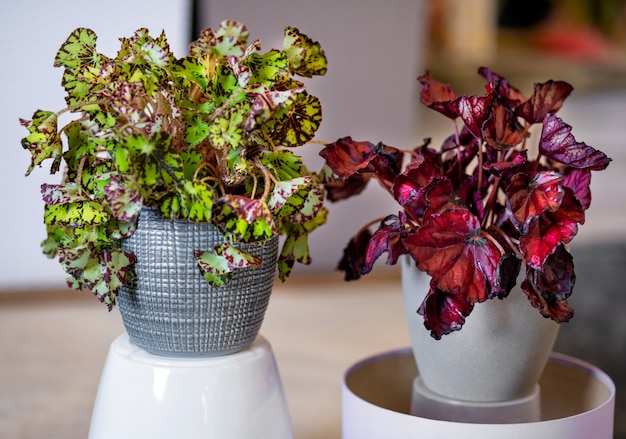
[{"x": 484, "y": 204}]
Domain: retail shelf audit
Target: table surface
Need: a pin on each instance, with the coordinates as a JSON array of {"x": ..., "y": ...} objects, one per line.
[{"x": 54, "y": 345}]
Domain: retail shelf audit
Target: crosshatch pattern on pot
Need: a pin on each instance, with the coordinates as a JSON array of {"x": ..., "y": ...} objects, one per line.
[{"x": 170, "y": 309}]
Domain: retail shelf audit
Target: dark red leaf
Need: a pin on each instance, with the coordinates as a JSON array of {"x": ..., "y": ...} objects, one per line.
[
  {"x": 529, "y": 198},
  {"x": 558, "y": 144},
  {"x": 502, "y": 130},
  {"x": 550, "y": 229},
  {"x": 511, "y": 96},
  {"x": 547, "y": 98},
  {"x": 549, "y": 288},
  {"x": 559, "y": 310},
  {"x": 338, "y": 189},
  {"x": 437, "y": 95},
  {"x": 388, "y": 238},
  {"x": 354, "y": 255},
  {"x": 506, "y": 275},
  {"x": 444, "y": 312},
  {"x": 500, "y": 168},
  {"x": 450, "y": 248},
  {"x": 346, "y": 156},
  {"x": 556, "y": 280},
  {"x": 410, "y": 187}
]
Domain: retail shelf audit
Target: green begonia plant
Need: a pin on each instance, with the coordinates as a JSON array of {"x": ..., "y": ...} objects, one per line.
[{"x": 207, "y": 137}]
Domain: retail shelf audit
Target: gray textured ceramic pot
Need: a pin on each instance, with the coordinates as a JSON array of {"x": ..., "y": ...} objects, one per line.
[
  {"x": 498, "y": 355},
  {"x": 170, "y": 309}
]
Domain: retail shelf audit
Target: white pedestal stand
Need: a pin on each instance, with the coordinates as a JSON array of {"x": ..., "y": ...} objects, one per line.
[
  {"x": 577, "y": 401},
  {"x": 237, "y": 396}
]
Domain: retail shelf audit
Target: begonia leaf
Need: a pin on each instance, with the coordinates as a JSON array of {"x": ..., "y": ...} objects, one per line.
[
  {"x": 511, "y": 96},
  {"x": 558, "y": 144},
  {"x": 386, "y": 239},
  {"x": 438, "y": 96},
  {"x": 353, "y": 259},
  {"x": 295, "y": 124},
  {"x": 502, "y": 130},
  {"x": 217, "y": 266},
  {"x": 547, "y": 98},
  {"x": 42, "y": 141},
  {"x": 579, "y": 181},
  {"x": 306, "y": 57},
  {"x": 229, "y": 39},
  {"x": 549, "y": 288},
  {"x": 78, "y": 50},
  {"x": 451, "y": 249},
  {"x": 528, "y": 198},
  {"x": 550, "y": 229},
  {"x": 474, "y": 111},
  {"x": 245, "y": 219},
  {"x": 124, "y": 198},
  {"x": 444, "y": 311}
]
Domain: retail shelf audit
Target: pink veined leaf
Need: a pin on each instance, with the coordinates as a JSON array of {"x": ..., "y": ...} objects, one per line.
[
  {"x": 437, "y": 95},
  {"x": 450, "y": 248},
  {"x": 474, "y": 111},
  {"x": 579, "y": 181},
  {"x": 547, "y": 98},
  {"x": 550, "y": 229},
  {"x": 558, "y": 144},
  {"x": 529, "y": 198},
  {"x": 443, "y": 311},
  {"x": 388, "y": 238}
]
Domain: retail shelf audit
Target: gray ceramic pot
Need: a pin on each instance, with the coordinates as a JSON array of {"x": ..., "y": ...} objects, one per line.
[
  {"x": 498, "y": 355},
  {"x": 170, "y": 309}
]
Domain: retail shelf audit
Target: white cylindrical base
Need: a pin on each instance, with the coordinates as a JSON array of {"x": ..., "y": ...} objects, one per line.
[
  {"x": 237, "y": 396},
  {"x": 577, "y": 402},
  {"x": 427, "y": 404}
]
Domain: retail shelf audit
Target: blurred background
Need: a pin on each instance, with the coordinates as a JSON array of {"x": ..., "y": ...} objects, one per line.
[{"x": 376, "y": 50}]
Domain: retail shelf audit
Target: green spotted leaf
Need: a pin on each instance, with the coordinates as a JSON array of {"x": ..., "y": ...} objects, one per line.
[
  {"x": 295, "y": 124},
  {"x": 217, "y": 267},
  {"x": 299, "y": 200},
  {"x": 266, "y": 67},
  {"x": 192, "y": 70},
  {"x": 244, "y": 219},
  {"x": 78, "y": 50},
  {"x": 193, "y": 201},
  {"x": 284, "y": 164},
  {"x": 230, "y": 39},
  {"x": 306, "y": 57},
  {"x": 124, "y": 198},
  {"x": 79, "y": 214},
  {"x": 57, "y": 194},
  {"x": 42, "y": 141}
]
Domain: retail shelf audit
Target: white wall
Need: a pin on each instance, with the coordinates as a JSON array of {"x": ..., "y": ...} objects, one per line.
[{"x": 31, "y": 32}]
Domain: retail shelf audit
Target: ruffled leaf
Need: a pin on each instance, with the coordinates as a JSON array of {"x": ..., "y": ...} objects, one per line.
[
  {"x": 386, "y": 239},
  {"x": 438, "y": 96},
  {"x": 528, "y": 198},
  {"x": 353, "y": 258},
  {"x": 551, "y": 229},
  {"x": 444, "y": 311},
  {"x": 451, "y": 249},
  {"x": 217, "y": 267},
  {"x": 42, "y": 142},
  {"x": 305, "y": 56},
  {"x": 547, "y": 98},
  {"x": 502, "y": 130}
]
